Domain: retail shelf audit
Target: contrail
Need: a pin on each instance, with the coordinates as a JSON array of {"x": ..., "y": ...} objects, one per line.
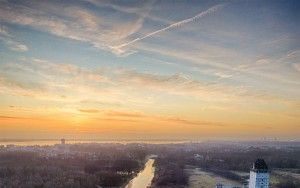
[{"x": 177, "y": 24}]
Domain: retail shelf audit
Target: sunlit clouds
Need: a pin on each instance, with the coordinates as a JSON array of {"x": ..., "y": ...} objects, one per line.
[{"x": 154, "y": 69}]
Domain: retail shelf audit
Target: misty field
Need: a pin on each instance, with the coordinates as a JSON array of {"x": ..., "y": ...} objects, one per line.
[{"x": 202, "y": 179}]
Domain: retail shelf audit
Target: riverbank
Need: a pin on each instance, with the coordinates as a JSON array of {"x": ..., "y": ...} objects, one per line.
[{"x": 144, "y": 177}]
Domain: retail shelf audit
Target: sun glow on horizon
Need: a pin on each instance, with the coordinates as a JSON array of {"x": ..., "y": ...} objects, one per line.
[{"x": 165, "y": 69}]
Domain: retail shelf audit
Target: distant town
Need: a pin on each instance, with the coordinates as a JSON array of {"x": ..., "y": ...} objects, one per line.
[{"x": 210, "y": 164}]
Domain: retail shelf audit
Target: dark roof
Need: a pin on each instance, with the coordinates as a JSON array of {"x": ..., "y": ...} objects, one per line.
[{"x": 260, "y": 164}]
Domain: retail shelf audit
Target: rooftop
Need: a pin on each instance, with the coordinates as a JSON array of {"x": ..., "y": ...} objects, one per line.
[{"x": 260, "y": 165}]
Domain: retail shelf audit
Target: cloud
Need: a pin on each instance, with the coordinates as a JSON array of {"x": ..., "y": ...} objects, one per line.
[
  {"x": 223, "y": 75},
  {"x": 98, "y": 92},
  {"x": 88, "y": 110},
  {"x": 210, "y": 56},
  {"x": 189, "y": 122},
  {"x": 297, "y": 66},
  {"x": 100, "y": 103},
  {"x": 87, "y": 25},
  {"x": 174, "y": 25},
  {"x": 10, "y": 41},
  {"x": 46, "y": 80},
  {"x": 177, "y": 84},
  {"x": 217, "y": 61},
  {"x": 9, "y": 83},
  {"x": 293, "y": 58},
  {"x": 16, "y": 46},
  {"x": 73, "y": 22},
  {"x": 60, "y": 73},
  {"x": 124, "y": 114},
  {"x": 4, "y": 32},
  {"x": 280, "y": 68},
  {"x": 11, "y": 117},
  {"x": 118, "y": 120},
  {"x": 138, "y": 116},
  {"x": 131, "y": 9}
]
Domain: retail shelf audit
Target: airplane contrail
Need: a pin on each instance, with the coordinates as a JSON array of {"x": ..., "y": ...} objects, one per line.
[{"x": 177, "y": 24}]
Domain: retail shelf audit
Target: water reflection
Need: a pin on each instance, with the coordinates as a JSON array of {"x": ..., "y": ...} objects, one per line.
[{"x": 144, "y": 178}]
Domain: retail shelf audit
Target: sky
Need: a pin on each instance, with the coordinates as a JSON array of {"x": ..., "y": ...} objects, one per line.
[{"x": 164, "y": 69}]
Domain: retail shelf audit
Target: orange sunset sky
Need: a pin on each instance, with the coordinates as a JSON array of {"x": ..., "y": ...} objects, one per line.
[{"x": 149, "y": 69}]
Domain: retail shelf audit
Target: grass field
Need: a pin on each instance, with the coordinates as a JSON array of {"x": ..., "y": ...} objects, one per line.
[{"x": 201, "y": 179}]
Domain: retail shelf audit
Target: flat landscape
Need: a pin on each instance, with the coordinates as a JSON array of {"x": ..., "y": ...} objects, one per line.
[
  {"x": 149, "y": 93},
  {"x": 134, "y": 165},
  {"x": 201, "y": 179}
]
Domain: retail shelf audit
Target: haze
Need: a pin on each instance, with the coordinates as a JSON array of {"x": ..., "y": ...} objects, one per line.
[{"x": 150, "y": 69}]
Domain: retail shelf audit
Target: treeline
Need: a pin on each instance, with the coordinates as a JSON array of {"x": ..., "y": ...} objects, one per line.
[
  {"x": 170, "y": 171},
  {"x": 242, "y": 160},
  {"x": 285, "y": 181},
  {"x": 113, "y": 172},
  {"x": 90, "y": 167}
]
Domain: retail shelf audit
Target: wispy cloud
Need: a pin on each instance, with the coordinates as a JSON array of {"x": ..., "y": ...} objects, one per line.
[
  {"x": 189, "y": 122},
  {"x": 188, "y": 67},
  {"x": 82, "y": 24},
  {"x": 88, "y": 110},
  {"x": 297, "y": 66},
  {"x": 174, "y": 25},
  {"x": 47, "y": 79},
  {"x": 124, "y": 114},
  {"x": 11, "y": 117},
  {"x": 131, "y": 10},
  {"x": 142, "y": 117},
  {"x": 227, "y": 63},
  {"x": 73, "y": 22},
  {"x": 9, "y": 40}
]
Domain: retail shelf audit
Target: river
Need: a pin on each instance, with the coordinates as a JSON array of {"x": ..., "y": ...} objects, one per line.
[{"x": 144, "y": 178}]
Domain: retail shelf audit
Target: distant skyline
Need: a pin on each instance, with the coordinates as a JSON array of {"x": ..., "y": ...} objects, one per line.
[{"x": 164, "y": 69}]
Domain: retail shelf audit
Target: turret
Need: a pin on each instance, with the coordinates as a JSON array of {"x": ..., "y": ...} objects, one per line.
[{"x": 259, "y": 175}]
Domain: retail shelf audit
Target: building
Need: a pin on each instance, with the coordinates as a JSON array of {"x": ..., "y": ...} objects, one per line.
[
  {"x": 63, "y": 141},
  {"x": 259, "y": 175}
]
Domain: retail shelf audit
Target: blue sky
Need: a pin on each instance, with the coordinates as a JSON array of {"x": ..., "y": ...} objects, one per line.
[{"x": 195, "y": 63}]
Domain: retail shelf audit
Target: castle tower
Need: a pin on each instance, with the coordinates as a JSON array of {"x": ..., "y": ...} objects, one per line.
[{"x": 259, "y": 175}]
